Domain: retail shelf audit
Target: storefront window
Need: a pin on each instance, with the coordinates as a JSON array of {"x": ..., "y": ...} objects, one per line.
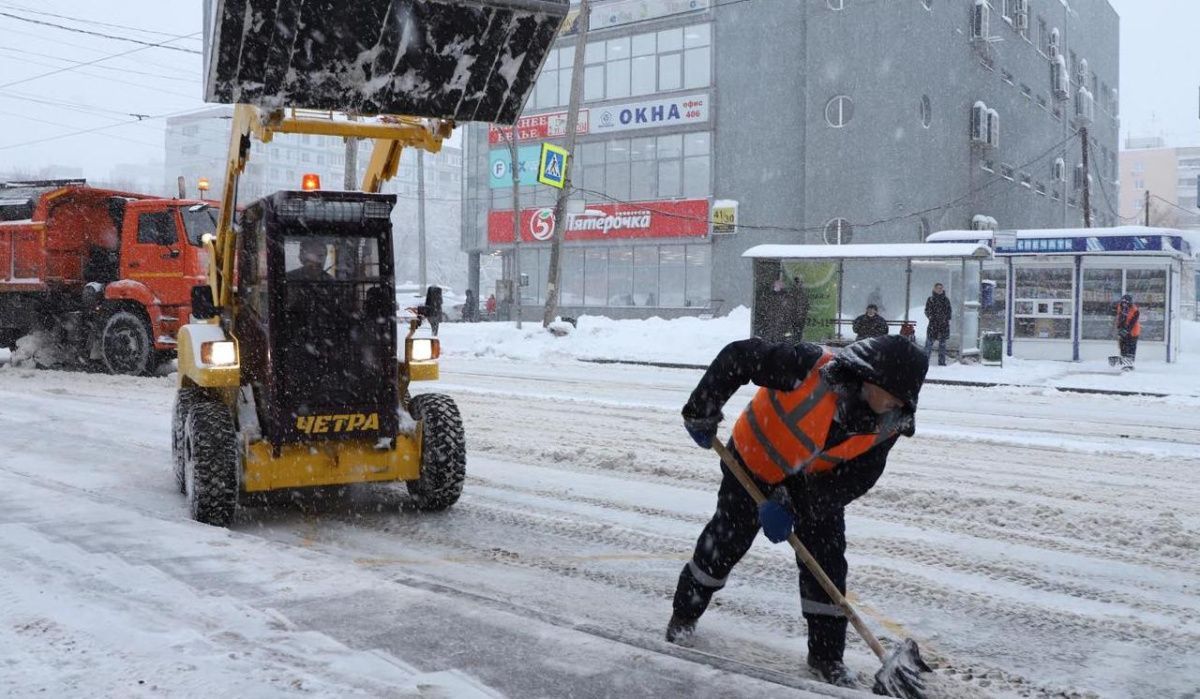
[
  {"x": 1043, "y": 303},
  {"x": 1101, "y": 291},
  {"x": 533, "y": 266},
  {"x": 595, "y": 280},
  {"x": 620, "y": 277},
  {"x": 697, "y": 173},
  {"x": 671, "y": 275},
  {"x": 699, "y": 275},
  {"x": 572, "y": 277},
  {"x": 642, "y": 153},
  {"x": 645, "y": 276},
  {"x": 1149, "y": 290}
]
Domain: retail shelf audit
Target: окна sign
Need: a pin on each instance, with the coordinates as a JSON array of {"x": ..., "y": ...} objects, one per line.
[
  {"x": 689, "y": 109},
  {"x": 686, "y": 218}
]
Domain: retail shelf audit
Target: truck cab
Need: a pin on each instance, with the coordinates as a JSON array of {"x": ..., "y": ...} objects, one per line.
[{"x": 107, "y": 273}]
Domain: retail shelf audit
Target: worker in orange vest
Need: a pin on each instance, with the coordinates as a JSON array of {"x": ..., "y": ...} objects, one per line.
[
  {"x": 1129, "y": 328},
  {"x": 816, "y": 436}
]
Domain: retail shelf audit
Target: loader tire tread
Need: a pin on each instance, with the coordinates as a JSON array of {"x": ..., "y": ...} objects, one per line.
[
  {"x": 443, "y": 452},
  {"x": 185, "y": 398},
  {"x": 211, "y": 462}
]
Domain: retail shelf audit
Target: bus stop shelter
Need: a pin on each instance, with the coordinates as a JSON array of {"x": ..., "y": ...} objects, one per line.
[{"x": 814, "y": 292}]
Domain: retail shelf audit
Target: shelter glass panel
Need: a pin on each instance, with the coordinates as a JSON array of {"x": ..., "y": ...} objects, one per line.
[
  {"x": 1101, "y": 291},
  {"x": 1043, "y": 298},
  {"x": 1149, "y": 290}
]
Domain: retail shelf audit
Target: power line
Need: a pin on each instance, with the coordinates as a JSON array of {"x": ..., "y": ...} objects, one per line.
[
  {"x": 95, "y": 129},
  {"x": 116, "y": 69},
  {"x": 157, "y": 89},
  {"x": 87, "y": 63},
  {"x": 147, "y": 44},
  {"x": 1174, "y": 205},
  {"x": 83, "y": 20},
  {"x": 54, "y": 123}
]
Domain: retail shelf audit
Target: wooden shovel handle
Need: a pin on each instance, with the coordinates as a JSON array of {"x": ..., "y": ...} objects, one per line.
[{"x": 809, "y": 562}]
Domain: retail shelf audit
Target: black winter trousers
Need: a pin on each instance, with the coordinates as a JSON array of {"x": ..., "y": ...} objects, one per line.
[
  {"x": 728, "y": 537},
  {"x": 1128, "y": 346}
]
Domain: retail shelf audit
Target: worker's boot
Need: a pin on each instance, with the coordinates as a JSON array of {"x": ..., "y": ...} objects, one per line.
[
  {"x": 833, "y": 672},
  {"x": 680, "y": 629}
]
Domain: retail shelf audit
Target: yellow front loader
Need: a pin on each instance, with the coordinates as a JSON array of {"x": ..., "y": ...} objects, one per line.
[{"x": 295, "y": 373}]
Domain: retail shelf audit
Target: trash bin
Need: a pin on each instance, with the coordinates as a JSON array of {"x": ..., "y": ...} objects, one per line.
[{"x": 992, "y": 347}]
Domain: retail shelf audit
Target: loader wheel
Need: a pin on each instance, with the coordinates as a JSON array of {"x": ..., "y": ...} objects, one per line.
[
  {"x": 210, "y": 462},
  {"x": 443, "y": 452},
  {"x": 126, "y": 344},
  {"x": 185, "y": 398}
]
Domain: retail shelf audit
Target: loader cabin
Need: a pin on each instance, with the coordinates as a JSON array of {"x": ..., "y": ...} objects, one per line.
[{"x": 318, "y": 320}]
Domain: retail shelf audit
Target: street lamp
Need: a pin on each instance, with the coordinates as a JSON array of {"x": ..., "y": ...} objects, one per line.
[{"x": 202, "y": 185}]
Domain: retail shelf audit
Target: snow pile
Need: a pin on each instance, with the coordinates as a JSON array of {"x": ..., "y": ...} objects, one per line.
[
  {"x": 39, "y": 349},
  {"x": 695, "y": 341},
  {"x": 681, "y": 340}
]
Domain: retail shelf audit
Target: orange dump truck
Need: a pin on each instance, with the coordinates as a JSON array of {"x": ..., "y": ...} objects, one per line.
[{"x": 108, "y": 274}]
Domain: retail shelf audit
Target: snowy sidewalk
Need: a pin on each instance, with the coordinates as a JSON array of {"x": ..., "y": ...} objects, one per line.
[{"x": 692, "y": 342}]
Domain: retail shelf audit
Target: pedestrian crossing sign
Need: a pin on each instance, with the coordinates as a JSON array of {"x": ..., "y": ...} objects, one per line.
[{"x": 553, "y": 166}]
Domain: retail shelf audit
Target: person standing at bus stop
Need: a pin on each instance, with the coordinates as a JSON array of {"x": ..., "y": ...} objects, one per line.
[
  {"x": 1129, "y": 328},
  {"x": 937, "y": 310}
]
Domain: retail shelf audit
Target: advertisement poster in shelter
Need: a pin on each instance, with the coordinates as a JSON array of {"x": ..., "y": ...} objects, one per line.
[{"x": 819, "y": 282}]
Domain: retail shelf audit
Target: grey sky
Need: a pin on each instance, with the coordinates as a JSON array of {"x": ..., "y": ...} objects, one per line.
[{"x": 1160, "y": 78}]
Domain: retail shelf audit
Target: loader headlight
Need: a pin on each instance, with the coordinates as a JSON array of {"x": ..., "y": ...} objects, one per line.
[
  {"x": 423, "y": 349},
  {"x": 218, "y": 353}
]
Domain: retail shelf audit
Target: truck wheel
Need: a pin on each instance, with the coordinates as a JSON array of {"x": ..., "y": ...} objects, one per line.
[
  {"x": 126, "y": 344},
  {"x": 210, "y": 462},
  {"x": 185, "y": 398},
  {"x": 443, "y": 452}
]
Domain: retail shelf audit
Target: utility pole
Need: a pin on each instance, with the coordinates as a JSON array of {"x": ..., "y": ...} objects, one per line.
[
  {"x": 516, "y": 185},
  {"x": 560, "y": 207},
  {"x": 350, "y": 178},
  {"x": 1147, "y": 208},
  {"x": 1087, "y": 189},
  {"x": 422, "y": 270}
]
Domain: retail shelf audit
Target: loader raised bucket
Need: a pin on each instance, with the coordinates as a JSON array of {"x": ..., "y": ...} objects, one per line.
[{"x": 467, "y": 60}]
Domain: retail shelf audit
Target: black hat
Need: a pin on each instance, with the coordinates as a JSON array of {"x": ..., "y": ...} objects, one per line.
[
  {"x": 891, "y": 362},
  {"x": 1127, "y": 298}
]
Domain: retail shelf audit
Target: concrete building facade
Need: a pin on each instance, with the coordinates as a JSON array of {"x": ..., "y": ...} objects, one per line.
[
  {"x": 1169, "y": 175},
  {"x": 829, "y": 121}
]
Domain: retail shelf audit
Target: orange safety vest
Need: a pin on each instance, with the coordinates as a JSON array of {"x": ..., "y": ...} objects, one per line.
[
  {"x": 781, "y": 433},
  {"x": 1136, "y": 330}
]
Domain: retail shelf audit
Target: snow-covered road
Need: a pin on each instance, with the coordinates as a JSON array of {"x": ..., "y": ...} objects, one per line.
[{"x": 1032, "y": 541}]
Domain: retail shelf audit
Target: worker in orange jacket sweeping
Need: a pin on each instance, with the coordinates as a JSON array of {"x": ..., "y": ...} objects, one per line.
[
  {"x": 816, "y": 436},
  {"x": 1129, "y": 329}
]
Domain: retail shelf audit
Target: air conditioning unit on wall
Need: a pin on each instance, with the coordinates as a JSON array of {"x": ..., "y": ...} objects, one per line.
[{"x": 980, "y": 18}]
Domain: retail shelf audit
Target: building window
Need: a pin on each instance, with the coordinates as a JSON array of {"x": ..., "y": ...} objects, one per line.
[
  {"x": 1043, "y": 306},
  {"x": 839, "y": 111},
  {"x": 838, "y": 231},
  {"x": 926, "y": 111},
  {"x": 651, "y": 167},
  {"x": 1043, "y": 37},
  {"x": 645, "y": 275}
]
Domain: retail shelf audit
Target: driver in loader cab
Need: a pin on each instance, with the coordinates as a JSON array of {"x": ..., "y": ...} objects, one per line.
[
  {"x": 313, "y": 253},
  {"x": 815, "y": 437}
]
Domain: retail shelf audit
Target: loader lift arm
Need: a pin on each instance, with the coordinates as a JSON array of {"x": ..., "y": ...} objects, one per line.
[{"x": 391, "y": 135}]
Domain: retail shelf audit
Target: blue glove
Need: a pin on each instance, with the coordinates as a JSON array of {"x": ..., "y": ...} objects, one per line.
[
  {"x": 702, "y": 430},
  {"x": 777, "y": 521}
]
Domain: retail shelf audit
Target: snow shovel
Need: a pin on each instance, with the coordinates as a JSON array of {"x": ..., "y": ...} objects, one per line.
[
  {"x": 900, "y": 675},
  {"x": 467, "y": 60}
]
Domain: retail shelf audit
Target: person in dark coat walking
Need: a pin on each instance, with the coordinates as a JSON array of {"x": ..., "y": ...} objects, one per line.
[
  {"x": 937, "y": 310},
  {"x": 1129, "y": 328},
  {"x": 869, "y": 324},
  {"x": 780, "y": 311},
  {"x": 815, "y": 437}
]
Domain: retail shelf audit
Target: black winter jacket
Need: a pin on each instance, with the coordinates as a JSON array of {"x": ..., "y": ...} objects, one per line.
[
  {"x": 937, "y": 310},
  {"x": 869, "y": 326},
  {"x": 783, "y": 366}
]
